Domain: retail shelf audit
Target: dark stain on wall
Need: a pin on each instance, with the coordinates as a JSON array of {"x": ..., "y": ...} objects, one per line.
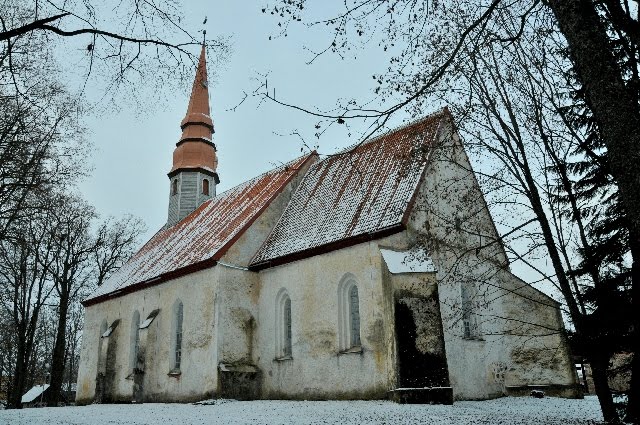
[
  {"x": 239, "y": 383},
  {"x": 421, "y": 357},
  {"x": 110, "y": 369}
]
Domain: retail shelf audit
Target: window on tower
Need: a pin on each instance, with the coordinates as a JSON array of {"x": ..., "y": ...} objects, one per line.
[
  {"x": 174, "y": 186},
  {"x": 205, "y": 187}
]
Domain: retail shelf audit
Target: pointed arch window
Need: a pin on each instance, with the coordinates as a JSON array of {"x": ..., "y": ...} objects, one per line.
[
  {"x": 349, "y": 315},
  {"x": 205, "y": 187},
  {"x": 178, "y": 315},
  {"x": 283, "y": 326},
  {"x": 354, "y": 316}
]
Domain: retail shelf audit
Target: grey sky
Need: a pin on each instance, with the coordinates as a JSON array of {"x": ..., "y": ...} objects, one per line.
[{"x": 134, "y": 148}]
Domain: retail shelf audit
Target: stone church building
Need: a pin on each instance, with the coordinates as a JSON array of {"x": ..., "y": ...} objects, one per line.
[{"x": 373, "y": 273}]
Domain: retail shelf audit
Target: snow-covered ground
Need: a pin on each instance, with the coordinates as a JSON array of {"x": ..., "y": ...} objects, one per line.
[{"x": 507, "y": 411}]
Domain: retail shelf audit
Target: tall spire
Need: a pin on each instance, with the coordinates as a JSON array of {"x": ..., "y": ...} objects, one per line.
[
  {"x": 197, "y": 122},
  {"x": 197, "y": 126},
  {"x": 193, "y": 176}
]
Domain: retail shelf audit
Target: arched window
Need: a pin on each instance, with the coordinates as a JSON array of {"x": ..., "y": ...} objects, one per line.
[
  {"x": 177, "y": 340},
  {"x": 135, "y": 339},
  {"x": 470, "y": 329},
  {"x": 348, "y": 314},
  {"x": 354, "y": 316},
  {"x": 283, "y": 326},
  {"x": 174, "y": 186},
  {"x": 205, "y": 187}
]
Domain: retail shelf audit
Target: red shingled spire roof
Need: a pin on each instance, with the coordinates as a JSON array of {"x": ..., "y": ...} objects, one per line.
[
  {"x": 196, "y": 150},
  {"x": 198, "y": 112}
]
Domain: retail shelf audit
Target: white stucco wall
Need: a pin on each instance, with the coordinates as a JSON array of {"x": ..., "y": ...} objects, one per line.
[
  {"x": 317, "y": 368},
  {"x": 198, "y": 373},
  {"x": 230, "y": 313},
  {"x": 219, "y": 309},
  {"x": 451, "y": 218}
]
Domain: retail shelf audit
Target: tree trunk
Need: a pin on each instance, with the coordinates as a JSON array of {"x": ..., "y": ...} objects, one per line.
[
  {"x": 584, "y": 328},
  {"x": 633, "y": 402},
  {"x": 618, "y": 116},
  {"x": 611, "y": 102},
  {"x": 599, "y": 366},
  {"x": 59, "y": 350},
  {"x": 17, "y": 383}
]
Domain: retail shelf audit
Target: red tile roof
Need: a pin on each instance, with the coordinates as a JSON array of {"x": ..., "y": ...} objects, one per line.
[
  {"x": 351, "y": 197},
  {"x": 201, "y": 238}
]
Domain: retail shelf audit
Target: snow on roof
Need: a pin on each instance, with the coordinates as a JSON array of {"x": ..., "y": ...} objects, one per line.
[
  {"x": 34, "y": 393},
  {"x": 205, "y": 234},
  {"x": 415, "y": 260},
  {"x": 362, "y": 191}
]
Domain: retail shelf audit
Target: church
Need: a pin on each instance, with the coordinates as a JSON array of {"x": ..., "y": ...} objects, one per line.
[{"x": 373, "y": 273}]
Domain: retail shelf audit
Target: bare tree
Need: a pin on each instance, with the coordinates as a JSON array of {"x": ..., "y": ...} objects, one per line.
[
  {"x": 513, "y": 115},
  {"x": 82, "y": 257},
  {"x": 24, "y": 260},
  {"x": 115, "y": 243},
  {"x": 121, "y": 47},
  {"x": 506, "y": 99}
]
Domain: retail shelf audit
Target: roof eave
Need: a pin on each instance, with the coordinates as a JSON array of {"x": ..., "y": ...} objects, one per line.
[
  {"x": 331, "y": 246},
  {"x": 173, "y": 274},
  {"x": 210, "y": 262}
]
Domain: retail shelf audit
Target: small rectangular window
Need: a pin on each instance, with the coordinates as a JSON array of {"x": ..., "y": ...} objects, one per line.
[{"x": 205, "y": 187}]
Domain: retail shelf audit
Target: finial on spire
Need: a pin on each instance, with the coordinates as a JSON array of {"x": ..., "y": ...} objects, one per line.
[
  {"x": 198, "y": 112},
  {"x": 204, "y": 31}
]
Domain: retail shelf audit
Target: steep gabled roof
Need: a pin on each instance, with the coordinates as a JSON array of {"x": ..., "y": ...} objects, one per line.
[
  {"x": 363, "y": 193},
  {"x": 201, "y": 238}
]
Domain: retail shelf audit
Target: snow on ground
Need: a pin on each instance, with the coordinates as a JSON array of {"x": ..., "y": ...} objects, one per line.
[{"x": 504, "y": 411}]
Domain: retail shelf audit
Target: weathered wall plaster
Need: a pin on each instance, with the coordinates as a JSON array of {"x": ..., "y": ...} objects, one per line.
[
  {"x": 198, "y": 374},
  {"x": 317, "y": 369},
  {"x": 451, "y": 218}
]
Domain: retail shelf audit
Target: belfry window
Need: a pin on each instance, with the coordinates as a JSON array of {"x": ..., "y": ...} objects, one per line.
[
  {"x": 205, "y": 187},
  {"x": 174, "y": 186}
]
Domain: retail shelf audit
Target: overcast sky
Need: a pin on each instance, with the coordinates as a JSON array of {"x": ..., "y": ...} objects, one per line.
[
  {"x": 134, "y": 150},
  {"x": 134, "y": 146}
]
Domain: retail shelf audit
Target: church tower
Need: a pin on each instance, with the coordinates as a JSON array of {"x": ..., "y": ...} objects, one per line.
[{"x": 193, "y": 177}]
